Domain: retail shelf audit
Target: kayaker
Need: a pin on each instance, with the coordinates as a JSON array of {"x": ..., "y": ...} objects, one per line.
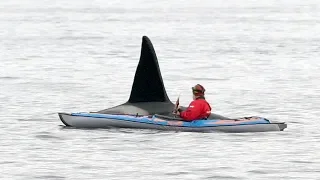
[{"x": 199, "y": 108}]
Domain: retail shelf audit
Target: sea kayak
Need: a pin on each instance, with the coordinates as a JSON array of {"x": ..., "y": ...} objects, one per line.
[{"x": 159, "y": 122}]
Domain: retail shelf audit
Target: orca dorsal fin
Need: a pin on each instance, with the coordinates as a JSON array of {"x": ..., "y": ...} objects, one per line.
[{"x": 148, "y": 84}]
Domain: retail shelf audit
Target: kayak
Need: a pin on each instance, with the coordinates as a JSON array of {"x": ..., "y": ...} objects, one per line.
[{"x": 160, "y": 122}]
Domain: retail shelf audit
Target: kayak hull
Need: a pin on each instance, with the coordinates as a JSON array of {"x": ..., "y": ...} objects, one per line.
[{"x": 89, "y": 120}]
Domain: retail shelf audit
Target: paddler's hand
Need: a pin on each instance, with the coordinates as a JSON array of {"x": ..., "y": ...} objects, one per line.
[{"x": 177, "y": 111}]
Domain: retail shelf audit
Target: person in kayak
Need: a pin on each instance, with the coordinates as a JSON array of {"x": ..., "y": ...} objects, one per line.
[{"x": 199, "y": 108}]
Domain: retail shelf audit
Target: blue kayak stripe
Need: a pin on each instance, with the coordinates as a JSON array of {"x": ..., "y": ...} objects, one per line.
[{"x": 196, "y": 123}]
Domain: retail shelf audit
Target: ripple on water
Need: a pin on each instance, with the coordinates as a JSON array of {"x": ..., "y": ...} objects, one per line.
[
  {"x": 49, "y": 177},
  {"x": 46, "y": 136},
  {"x": 9, "y": 78},
  {"x": 224, "y": 177}
]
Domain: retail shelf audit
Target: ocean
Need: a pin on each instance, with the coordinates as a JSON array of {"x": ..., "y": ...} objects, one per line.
[{"x": 255, "y": 58}]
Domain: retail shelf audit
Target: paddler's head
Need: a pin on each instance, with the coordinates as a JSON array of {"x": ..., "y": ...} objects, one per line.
[{"x": 198, "y": 91}]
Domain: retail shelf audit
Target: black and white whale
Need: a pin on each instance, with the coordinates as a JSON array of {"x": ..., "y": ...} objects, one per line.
[
  {"x": 148, "y": 93},
  {"x": 149, "y": 101}
]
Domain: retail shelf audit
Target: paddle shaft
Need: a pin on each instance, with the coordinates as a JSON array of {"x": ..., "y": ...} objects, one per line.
[{"x": 177, "y": 105}]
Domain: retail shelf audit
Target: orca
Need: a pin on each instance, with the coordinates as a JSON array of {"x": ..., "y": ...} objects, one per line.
[{"x": 148, "y": 94}]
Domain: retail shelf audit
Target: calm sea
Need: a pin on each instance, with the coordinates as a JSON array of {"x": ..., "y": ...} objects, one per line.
[{"x": 253, "y": 57}]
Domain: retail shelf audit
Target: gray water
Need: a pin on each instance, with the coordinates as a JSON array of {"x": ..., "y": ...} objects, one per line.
[{"x": 253, "y": 57}]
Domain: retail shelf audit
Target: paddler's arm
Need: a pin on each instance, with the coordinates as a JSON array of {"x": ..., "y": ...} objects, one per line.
[{"x": 191, "y": 113}]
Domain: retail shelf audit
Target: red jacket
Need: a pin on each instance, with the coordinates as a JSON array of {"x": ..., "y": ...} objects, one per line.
[{"x": 198, "y": 109}]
